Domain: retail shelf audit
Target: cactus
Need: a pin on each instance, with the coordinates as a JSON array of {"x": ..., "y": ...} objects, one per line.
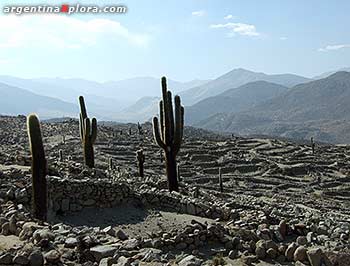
[
  {"x": 60, "y": 155},
  {"x": 88, "y": 134},
  {"x": 178, "y": 172},
  {"x": 169, "y": 135},
  {"x": 139, "y": 128},
  {"x": 220, "y": 181},
  {"x": 312, "y": 145},
  {"x": 38, "y": 168},
  {"x": 110, "y": 164},
  {"x": 141, "y": 160}
]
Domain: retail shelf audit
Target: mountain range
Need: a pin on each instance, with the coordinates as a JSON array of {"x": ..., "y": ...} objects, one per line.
[
  {"x": 240, "y": 101},
  {"x": 318, "y": 108}
]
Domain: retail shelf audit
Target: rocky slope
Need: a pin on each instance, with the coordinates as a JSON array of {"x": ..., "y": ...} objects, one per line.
[
  {"x": 319, "y": 108},
  {"x": 281, "y": 203}
]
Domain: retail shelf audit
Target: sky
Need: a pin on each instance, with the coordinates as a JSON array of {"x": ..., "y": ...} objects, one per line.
[{"x": 183, "y": 39}]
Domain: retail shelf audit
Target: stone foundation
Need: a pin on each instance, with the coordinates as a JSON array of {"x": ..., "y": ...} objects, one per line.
[{"x": 72, "y": 195}]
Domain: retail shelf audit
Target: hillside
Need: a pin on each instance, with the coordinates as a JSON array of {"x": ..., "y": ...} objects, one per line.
[
  {"x": 234, "y": 79},
  {"x": 318, "y": 108},
  {"x": 233, "y": 100},
  {"x": 15, "y": 101}
]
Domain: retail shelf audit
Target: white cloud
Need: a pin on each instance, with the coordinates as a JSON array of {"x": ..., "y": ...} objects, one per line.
[
  {"x": 62, "y": 32},
  {"x": 334, "y": 47},
  {"x": 228, "y": 17},
  {"x": 199, "y": 13},
  {"x": 237, "y": 28}
]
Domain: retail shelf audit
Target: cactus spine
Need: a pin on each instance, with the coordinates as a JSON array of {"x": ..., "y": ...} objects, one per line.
[
  {"x": 39, "y": 168},
  {"x": 88, "y": 134},
  {"x": 169, "y": 134},
  {"x": 141, "y": 160}
]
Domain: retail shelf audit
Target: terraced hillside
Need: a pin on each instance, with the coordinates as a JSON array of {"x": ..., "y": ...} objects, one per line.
[{"x": 281, "y": 202}]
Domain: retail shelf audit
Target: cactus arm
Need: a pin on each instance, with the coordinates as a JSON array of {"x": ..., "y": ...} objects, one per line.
[
  {"x": 82, "y": 107},
  {"x": 93, "y": 130},
  {"x": 178, "y": 124},
  {"x": 161, "y": 115},
  {"x": 156, "y": 133},
  {"x": 171, "y": 118},
  {"x": 87, "y": 128}
]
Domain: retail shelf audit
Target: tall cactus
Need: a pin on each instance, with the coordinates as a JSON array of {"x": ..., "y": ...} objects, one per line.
[
  {"x": 141, "y": 160},
  {"x": 169, "y": 135},
  {"x": 88, "y": 134},
  {"x": 39, "y": 168}
]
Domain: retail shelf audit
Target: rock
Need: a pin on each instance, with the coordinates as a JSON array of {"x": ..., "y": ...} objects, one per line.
[
  {"x": 71, "y": 242},
  {"x": 27, "y": 230},
  {"x": 6, "y": 258},
  {"x": 65, "y": 205},
  {"x": 110, "y": 231},
  {"x": 121, "y": 235},
  {"x": 190, "y": 261},
  {"x": 301, "y": 240},
  {"x": 233, "y": 254},
  {"x": 314, "y": 255},
  {"x": 36, "y": 258},
  {"x": 123, "y": 261},
  {"x": 100, "y": 252},
  {"x": 260, "y": 249},
  {"x": 5, "y": 229},
  {"x": 131, "y": 244},
  {"x": 283, "y": 228},
  {"x": 52, "y": 256},
  {"x": 107, "y": 262},
  {"x": 181, "y": 246},
  {"x": 150, "y": 254},
  {"x": 290, "y": 251},
  {"x": 271, "y": 253},
  {"x": 41, "y": 234},
  {"x": 300, "y": 254},
  {"x": 21, "y": 259}
]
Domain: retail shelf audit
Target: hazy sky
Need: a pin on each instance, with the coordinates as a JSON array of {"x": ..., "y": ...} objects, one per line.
[{"x": 183, "y": 39}]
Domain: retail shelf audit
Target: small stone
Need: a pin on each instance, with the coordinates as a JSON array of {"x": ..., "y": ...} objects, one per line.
[
  {"x": 283, "y": 228},
  {"x": 21, "y": 259},
  {"x": 109, "y": 231},
  {"x": 71, "y": 242},
  {"x": 271, "y": 253},
  {"x": 290, "y": 251},
  {"x": 301, "y": 240},
  {"x": 190, "y": 261},
  {"x": 233, "y": 254},
  {"x": 100, "y": 252},
  {"x": 123, "y": 261},
  {"x": 6, "y": 258},
  {"x": 314, "y": 255},
  {"x": 300, "y": 254},
  {"x": 121, "y": 235},
  {"x": 52, "y": 256},
  {"x": 181, "y": 246},
  {"x": 36, "y": 258},
  {"x": 5, "y": 229}
]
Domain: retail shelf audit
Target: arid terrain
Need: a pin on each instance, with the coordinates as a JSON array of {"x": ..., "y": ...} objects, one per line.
[{"x": 281, "y": 203}]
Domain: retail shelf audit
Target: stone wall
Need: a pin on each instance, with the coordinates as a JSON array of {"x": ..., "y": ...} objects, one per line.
[{"x": 72, "y": 195}]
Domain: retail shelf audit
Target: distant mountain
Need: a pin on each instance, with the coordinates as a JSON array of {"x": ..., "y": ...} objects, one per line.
[
  {"x": 319, "y": 108},
  {"x": 14, "y": 101},
  {"x": 327, "y": 74},
  {"x": 141, "y": 111},
  {"x": 233, "y": 100},
  {"x": 234, "y": 79}
]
